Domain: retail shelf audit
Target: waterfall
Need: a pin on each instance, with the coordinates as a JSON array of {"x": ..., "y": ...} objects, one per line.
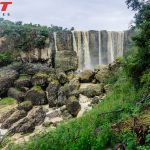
[
  {"x": 87, "y": 59},
  {"x": 110, "y": 47},
  {"x": 120, "y": 44},
  {"x": 74, "y": 43},
  {"x": 55, "y": 35},
  {"x": 95, "y": 47},
  {"x": 100, "y": 48}
]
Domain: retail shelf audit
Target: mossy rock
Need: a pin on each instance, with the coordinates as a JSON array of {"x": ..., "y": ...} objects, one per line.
[
  {"x": 37, "y": 96},
  {"x": 40, "y": 78},
  {"x": 26, "y": 106}
]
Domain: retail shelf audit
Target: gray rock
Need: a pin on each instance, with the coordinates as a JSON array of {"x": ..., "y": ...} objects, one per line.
[
  {"x": 23, "y": 81},
  {"x": 37, "y": 96},
  {"x": 66, "y": 60},
  {"x": 26, "y": 106},
  {"x": 86, "y": 76},
  {"x": 52, "y": 93},
  {"x": 7, "y": 78},
  {"x": 64, "y": 41},
  {"x": 16, "y": 94},
  {"x": 62, "y": 77},
  {"x": 73, "y": 106},
  {"x": 16, "y": 116},
  {"x": 92, "y": 90},
  {"x": 40, "y": 78}
]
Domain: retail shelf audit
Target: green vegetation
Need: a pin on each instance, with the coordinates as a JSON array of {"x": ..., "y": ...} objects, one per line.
[
  {"x": 37, "y": 88},
  {"x": 5, "y": 57},
  {"x": 27, "y": 36},
  {"x": 123, "y": 117},
  {"x": 7, "y": 101}
]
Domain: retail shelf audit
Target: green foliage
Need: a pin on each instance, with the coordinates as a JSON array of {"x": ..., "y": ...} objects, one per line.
[
  {"x": 7, "y": 101},
  {"x": 36, "y": 88},
  {"x": 140, "y": 62},
  {"x": 5, "y": 57},
  {"x": 27, "y": 36}
]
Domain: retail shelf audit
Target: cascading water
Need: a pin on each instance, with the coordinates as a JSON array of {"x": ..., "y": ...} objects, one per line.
[
  {"x": 110, "y": 47},
  {"x": 55, "y": 36},
  {"x": 96, "y": 47},
  {"x": 87, "y": 59}
]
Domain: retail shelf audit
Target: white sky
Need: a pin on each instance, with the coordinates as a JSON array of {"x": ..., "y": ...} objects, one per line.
[{"x": 81, "y": 14}]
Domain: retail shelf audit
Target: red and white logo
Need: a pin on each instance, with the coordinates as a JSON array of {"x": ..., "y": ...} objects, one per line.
[{"x": 4, "y": 5}]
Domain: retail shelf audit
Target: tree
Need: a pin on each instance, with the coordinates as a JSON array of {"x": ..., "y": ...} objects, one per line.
[{"x": 141, "y": 62}]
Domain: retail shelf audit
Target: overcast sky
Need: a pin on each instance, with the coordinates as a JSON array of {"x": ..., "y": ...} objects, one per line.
[{"x": 81, "y": 14}]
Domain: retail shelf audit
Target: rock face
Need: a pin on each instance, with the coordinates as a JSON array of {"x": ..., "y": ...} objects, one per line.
[
  {"x": 66, "y": 60},
  {"x": 7, "y": 77},
  {"x": 37, "y": 96}
]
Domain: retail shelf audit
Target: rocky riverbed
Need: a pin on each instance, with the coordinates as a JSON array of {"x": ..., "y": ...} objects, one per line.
[{"x": 47, "y": 97}]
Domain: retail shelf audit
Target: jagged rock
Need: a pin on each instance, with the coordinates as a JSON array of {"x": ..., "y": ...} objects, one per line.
[
  {"x": 92, "y": 90},
  {"x": 86, "y": 76},
  {"x": 40, "y": 78},
  {"x": 26, "y": 106},
  {"x": 24, "y": 125},
  {"x": 17, "y": 115},
  {"x": 7, "y": 78},
  {"x": 62, "y": 77},
  {"x": 54, "y": 114},
  {"x": 37, "y": 114},
  {"x": 34, "y": 118},
  {"x": 66, "y": 60},
  {"x": 63, "y": 95},
  {"x": 23, "y": 81},
  {"x": 33, "y": 68},
  {"x": 6, "y": 115},
  {"x": 74, "y": 84},
  {"x": 52, "y": 93},
  {"x": 64, "y": 41},
  {"x": 73, "y": 106},
  {"x": 103, "y": 73},
  {"x": 37, "y": 96},
  {"x": 16, "y": 94}
]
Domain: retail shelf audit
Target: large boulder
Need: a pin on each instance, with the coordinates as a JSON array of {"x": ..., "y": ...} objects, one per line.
[
  {"x": 73, "y": 106},
  {"x": 7, "y": 78},
  {"x": 16, "y": 94},
  {"x": 37, "y": 96},
  {"x": 102, "y": 72},
  {"x": 40, "y": 78},
  {"x": 66, "y": 60},
  {"x": 92, "y": 90},
  {"x": 52, "y": 93},
  {"x": 26, "y": 106},
  {"x": 16, "y": 116},
  {"x": 23, "y": 81},
  {"x": 86, "y": 76}
]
